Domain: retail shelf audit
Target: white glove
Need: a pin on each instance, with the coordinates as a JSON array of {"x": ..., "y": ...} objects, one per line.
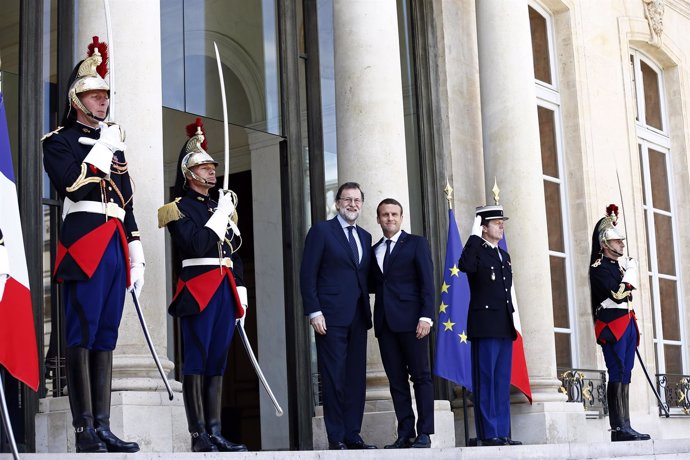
[
  {"x": 218, "y": 222},
  {"x": 137, "y": 264},
  {"x": 242, "y": 294},
  {"x": 4, "y": 269},
  {"x": 631, "y": 273},
  {"x": 626, "y": 262},
  {"x": 101, "y": 154},
  {"x": 225, "y": 203},
  {"x": 477, "y": 226}
]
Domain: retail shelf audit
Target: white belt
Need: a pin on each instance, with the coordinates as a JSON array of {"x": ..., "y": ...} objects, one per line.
[
  {"x": 608, "y": 304},
  {"x": 95, "y": 207},
  {"x": 214, "y": 261}
]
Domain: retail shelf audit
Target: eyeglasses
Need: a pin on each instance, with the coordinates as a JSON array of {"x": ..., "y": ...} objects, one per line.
[{"x": 348, "y": 200}]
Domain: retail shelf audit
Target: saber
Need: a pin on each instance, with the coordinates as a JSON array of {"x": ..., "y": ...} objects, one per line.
[
  {"x": 150, "y": 343},
  {"x": 663, "y": 405},
  {"x": 226, "y": 136},
  {"x": 6, "y": 420},
  {"x": 257, "y": 369},
  {"x": 111, "y": 57}
]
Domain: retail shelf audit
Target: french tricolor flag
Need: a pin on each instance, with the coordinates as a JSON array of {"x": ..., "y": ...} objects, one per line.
[
  {"x": 18, "y": 351},
  {"x": 519, "y": 377}
]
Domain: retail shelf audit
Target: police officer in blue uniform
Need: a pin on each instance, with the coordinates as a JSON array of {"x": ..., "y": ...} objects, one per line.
[
  {"x": 612, "y": 278},
  {"x": 210, "y": 295},
  {"x": 99, "y": 253},
  {"x": 490, "y": 325}
]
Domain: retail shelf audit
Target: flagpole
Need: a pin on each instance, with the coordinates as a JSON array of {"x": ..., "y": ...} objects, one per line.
[
  {"x": 448, "y": 190},
  {"x": 6, "y": 417}
]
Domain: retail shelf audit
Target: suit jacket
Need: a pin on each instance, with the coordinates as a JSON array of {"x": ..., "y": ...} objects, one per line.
[
  {"x": 331, "y": 280},
  {"x": 405, "y": 292},
  {"x": 490, "y": 313}
]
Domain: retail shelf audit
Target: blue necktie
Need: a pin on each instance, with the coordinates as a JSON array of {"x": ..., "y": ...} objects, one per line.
[
  {"x": 385, "y": 255},
  {"x": 353, "y": 243}
]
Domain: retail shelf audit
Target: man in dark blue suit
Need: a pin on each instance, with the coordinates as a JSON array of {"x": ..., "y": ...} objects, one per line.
[
  {"x": 333, "y": 280},
  {"x": 490, "y": 325},
  {"x": 401, "y": 276}
]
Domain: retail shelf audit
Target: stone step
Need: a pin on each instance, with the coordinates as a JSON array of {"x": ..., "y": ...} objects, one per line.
[{"x": 642, "y": 450}]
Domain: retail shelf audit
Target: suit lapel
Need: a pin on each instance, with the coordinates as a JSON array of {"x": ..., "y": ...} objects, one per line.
[{"x": 397, "y": 248}]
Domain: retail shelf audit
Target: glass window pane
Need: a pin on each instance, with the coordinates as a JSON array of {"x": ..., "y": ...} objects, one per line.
[
  {"x": 540, "y": 46},
  {"x": 674, "y": 362},
  {"x": 652, "y": 96},
  {"x": 659, "y": 180},
  {"x": 547, "y": 136},
  {"x": 563, "y": 352},
  {"x": 665, "y": 254},
  {"x": 172, "y": 53},
  {"x": 669, "y": 309},
  {"x": 554, "y": 224},
  {"x": 559, "y": 292}
]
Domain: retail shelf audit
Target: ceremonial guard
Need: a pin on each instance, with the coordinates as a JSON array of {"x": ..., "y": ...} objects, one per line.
[
  {"x": 612, "y": 278},
  {"x": 210, "y": 295},
  {"x": 490, "y": 325},
  {"x": 99, "y": 254}
]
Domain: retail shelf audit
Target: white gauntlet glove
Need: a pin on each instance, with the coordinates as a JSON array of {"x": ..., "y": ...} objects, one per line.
[
  {"x": 477, "y": 226},
  {"x": 136, "y": 267},
  {"x": 4, "y": 269},
  {"x": 242, "y": 294},
  {"x": 101, "y": 154},
  {"x": 631, "y": 271},
  {"x": 221, "y": 217}
]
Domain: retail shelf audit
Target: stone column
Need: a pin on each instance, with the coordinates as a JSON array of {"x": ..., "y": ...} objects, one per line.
[
  {"x": 512, "y": 156},
  {"x": 140, "y": 409}
]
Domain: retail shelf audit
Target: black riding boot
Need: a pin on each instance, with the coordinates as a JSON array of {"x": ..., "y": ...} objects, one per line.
[
  {"x": 614, "y": 394},
  {"x": 626, "y": 414},
  {"x": 79, "y": 392},
  {"x": 213, "y": 391},
  {"x": 101, "y": 363},
  {"x": 192, "y": 393}
]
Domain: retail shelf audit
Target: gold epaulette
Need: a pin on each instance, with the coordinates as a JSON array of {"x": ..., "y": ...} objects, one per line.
[
  {"x": 51, "y": 133},
  {"x": 169, "y": 213}
]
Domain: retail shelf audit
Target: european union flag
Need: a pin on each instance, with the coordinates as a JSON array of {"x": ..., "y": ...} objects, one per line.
[{"x": 453, "y": 360}]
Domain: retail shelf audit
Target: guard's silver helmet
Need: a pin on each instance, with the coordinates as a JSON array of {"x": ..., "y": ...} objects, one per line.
[
  {"x": 195, "y": 155},
  {"x": 90, "y": 75},
  {"x": 608, "y": 230}
]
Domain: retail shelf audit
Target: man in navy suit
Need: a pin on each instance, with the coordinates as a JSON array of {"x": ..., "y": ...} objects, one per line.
[
  {"x": 490, "y": 325},
  {"x": 333, "y": 280},
  {"x": 401, "y": 275}
]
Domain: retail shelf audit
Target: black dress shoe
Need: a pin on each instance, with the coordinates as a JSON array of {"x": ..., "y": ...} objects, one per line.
[
  {"x": 359, "y": 445},
  {"x": 512, "y": 442},
  {"x": 115, "y": 444},
  {"x": 494, "y": 442},
  {"x": 423, "y": 441},
  {"x": 336, "y": 446},
  {"x": 400, "y": 443},
  {"x": 224, "y": 445}
]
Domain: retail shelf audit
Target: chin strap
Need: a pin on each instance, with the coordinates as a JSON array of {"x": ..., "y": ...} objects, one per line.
[{"x": 619, "y": 254}]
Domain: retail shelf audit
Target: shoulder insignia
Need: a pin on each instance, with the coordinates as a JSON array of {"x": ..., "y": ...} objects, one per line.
[
  {"x": 169, "y": 213},
  {"x": 596, "y": 263},
  {"x": 51, "y": 133}
]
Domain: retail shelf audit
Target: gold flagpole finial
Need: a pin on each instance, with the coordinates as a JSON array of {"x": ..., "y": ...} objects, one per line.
[
  {"x": 496, "y": 191},
  {"x": 448, "y": 190}
]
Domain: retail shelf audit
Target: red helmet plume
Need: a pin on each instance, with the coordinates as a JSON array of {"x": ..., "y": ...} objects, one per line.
[
  {"x": 612, "y": 210},
  {"x": 192, "y": 129},
  {"x": 102, "y": 69}
]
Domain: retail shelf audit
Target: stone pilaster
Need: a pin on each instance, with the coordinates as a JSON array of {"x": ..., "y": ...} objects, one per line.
[{"x": 512, "y": 156}]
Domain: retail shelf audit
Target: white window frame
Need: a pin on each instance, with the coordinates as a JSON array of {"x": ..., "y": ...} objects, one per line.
[
  {"x": 548, "y": 97},
  {"x": 650, "y": 138}
]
